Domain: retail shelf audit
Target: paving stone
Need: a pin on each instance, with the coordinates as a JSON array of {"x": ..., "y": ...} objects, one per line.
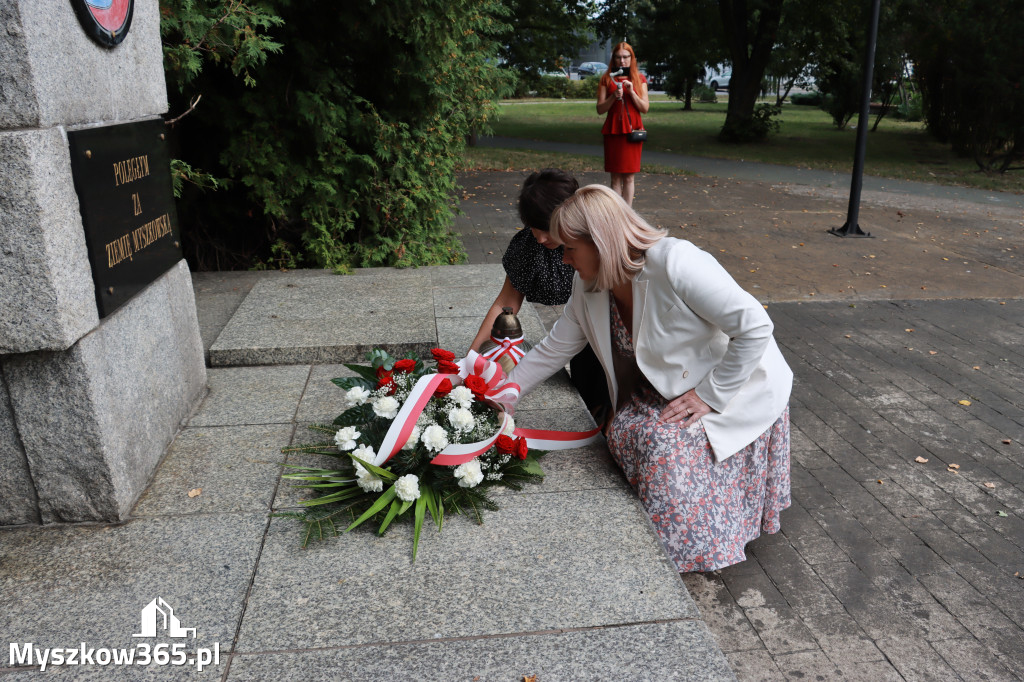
[
  {"x": 871, "y": 671},
  {"x": 807, "y": 665},
  {"x": 328, "y": 319},
  {"x": 602, "y": 566},
  {"x": 60, "y": 586},
  {"x": 323, "y": 400},
  {"x": 753, "y": 589},
  {"x": 780, "y": 629},
  {"x": 841, "y": 639},
  {"x": 251, "y": 395},
  {"x": 972, "y": 661},
  {"x": 235, "y": 469},
  {"x": 873, "y": 611},
  {"x": 732, "y": 630},
  {"x": 677, "y": 650},
  {"x": 754, "y": 666},
  {"x": 915, "y": 659}
]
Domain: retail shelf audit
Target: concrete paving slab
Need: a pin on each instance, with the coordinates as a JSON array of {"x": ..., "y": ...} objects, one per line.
[
  {"x": 235, "y": 468},
  {"x": 328, "y": 319},
  {"x": 677, "y": 650},
  {"x": 251, "y": 395},
  {"x": 322, "y": 400},
  {"x": 598, "y": 565},
  {"x": 61, "y": 586}
]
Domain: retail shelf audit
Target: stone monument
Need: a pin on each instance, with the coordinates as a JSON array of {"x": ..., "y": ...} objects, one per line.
[{"x": 94, "y": 383}]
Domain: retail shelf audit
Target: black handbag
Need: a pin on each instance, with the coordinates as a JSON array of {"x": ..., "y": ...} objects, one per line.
[{"x": 637, "y": 135}]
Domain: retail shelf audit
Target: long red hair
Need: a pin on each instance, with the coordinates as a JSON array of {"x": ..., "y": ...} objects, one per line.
[{"x": 634, "y": 71}]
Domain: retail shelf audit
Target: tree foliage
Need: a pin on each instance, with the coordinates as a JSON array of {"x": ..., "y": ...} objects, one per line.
[
  {"x": 341, "y": 150},
  {"x": 544, "y": 33},
  {"x": 683, "y": 37},
  {"x": 969, "y": 62}
]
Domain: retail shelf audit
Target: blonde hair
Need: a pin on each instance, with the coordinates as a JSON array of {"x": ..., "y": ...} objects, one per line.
[{"x": 601, "y": 216}]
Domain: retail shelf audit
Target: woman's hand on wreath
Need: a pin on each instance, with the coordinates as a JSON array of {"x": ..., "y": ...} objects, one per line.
[{"x": 688, "y": 408}]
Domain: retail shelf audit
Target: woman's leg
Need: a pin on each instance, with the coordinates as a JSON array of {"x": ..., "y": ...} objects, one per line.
[
  {"x": 627, "y": 187},
  {"x": 617, "y": 183}
]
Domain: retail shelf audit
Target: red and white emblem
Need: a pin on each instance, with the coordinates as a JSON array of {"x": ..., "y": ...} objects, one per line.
[{"x": 105, "y": 21}]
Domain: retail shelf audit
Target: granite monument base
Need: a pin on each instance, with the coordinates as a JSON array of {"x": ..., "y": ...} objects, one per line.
[{"x": 90, "y": 424}]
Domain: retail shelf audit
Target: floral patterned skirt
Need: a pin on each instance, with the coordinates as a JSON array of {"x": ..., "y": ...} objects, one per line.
[{"x": 704, "y": 511}]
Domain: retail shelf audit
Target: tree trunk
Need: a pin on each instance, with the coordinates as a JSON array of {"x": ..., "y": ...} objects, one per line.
[
  {"x": 750, "y": 46},
  {"x": 688, "y": 98}
]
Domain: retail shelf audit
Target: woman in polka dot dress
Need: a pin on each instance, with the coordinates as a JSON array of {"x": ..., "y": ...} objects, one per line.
[{"x": 534, "y": 271}]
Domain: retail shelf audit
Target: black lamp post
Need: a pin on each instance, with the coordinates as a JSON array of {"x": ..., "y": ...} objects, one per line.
[{"x": 852, "y": 228}]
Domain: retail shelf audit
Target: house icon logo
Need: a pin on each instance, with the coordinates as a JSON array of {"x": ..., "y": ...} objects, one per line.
[{"x": 158, "y": 615}]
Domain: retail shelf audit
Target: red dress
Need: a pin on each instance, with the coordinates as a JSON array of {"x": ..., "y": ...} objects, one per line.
[{"x": 621, "y": 155}]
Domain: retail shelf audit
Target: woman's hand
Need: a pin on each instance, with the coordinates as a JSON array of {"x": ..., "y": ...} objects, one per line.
[{"x": 688, "y": 407}]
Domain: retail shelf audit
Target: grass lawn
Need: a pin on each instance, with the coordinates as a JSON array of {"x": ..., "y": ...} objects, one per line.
[{"x": 807, "y": 138}]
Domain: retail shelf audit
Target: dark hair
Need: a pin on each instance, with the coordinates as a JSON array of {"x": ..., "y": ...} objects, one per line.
[{"x": 542, "y": 193}]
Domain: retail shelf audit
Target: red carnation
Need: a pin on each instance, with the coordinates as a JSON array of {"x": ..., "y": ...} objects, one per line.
[
  {"x": 405, "y": 366},
  {"x": 443, "y": 388},
  {"x": 383, "y": 373},
  {"x": 505, "y": 445},
  {"x": 446, "y": 367},
  {"x": 521, "y": 448},
  {"x": 476, "y": 383},
  {"x": 442, "y": 354}
]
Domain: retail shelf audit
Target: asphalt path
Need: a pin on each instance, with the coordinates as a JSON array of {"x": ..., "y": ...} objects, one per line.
[{"x": 774, "y": 173}]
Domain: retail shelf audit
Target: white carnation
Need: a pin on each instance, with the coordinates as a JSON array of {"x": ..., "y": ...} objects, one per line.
[
  {"x": 386, "y": 407},
  {"x": 469, "y": 474},
  {"x": 509, "y": 428},
  {"x": 435, "y": 438},
  {"x": 367, "y": 480},
  {"x": 345, "y": 438},
  {"x": 461, "y": 419},
  {"x": 461, "y": 396},
  {"x": 356, "y": 396},
  {"x": 408, "y": 488},
  {"x": 413, "y": 438},
  {"x": 365, "y": 453}
]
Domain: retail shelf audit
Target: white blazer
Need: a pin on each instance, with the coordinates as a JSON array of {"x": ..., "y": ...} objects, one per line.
[{"x": 693, "y": 327}]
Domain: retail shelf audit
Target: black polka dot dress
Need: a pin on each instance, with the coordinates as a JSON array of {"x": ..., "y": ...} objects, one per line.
[{"x": 536, "y": 272}]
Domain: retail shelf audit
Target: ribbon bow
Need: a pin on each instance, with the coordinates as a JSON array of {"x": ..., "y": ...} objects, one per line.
[
  {"x": 506, "y": 346},
  {"x": 497, "y": 392}
]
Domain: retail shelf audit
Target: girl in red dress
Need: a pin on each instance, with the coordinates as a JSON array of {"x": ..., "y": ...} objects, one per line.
[{"x": 624, "y": 99}]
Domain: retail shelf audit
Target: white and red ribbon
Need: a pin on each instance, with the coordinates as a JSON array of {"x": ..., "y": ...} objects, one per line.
[
  {"x": 506, "y": 346},
  {"x": 498, "y": 392}
]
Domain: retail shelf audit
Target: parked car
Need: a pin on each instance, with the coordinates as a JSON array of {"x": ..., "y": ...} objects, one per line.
[
  {"x": 720, "y": 81},
  {"x": 592, "y": 69}
]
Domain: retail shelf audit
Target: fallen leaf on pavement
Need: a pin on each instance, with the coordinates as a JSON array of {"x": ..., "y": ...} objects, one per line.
[
  {"x": 933, "y": 352},
  {"x": 954, "y": 466},
  {"x": 964, "y": 402},
  {"x": 920, "y": 460},
  {"x": 976, "y": 367},
  {"x": 908, "y": 330},
  {"x": 1006, "y": 441},
  {"x": 195, "y": 492},
  {"x": 880, "y": 481},
  {"x": 1001, "y": 513},
  {"x": 990, "y": 485},
  {"x": 529, "y": 678}
]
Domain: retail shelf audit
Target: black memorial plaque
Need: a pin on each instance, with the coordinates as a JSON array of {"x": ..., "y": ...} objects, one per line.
[{"x": 122, "y": 175}]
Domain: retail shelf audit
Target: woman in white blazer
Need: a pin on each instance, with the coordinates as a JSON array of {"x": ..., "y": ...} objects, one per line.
[{"x": 700, "y": 389}]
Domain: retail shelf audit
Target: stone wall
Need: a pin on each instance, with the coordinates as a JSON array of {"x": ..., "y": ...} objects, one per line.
[{"x": 87, "y": 406}]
